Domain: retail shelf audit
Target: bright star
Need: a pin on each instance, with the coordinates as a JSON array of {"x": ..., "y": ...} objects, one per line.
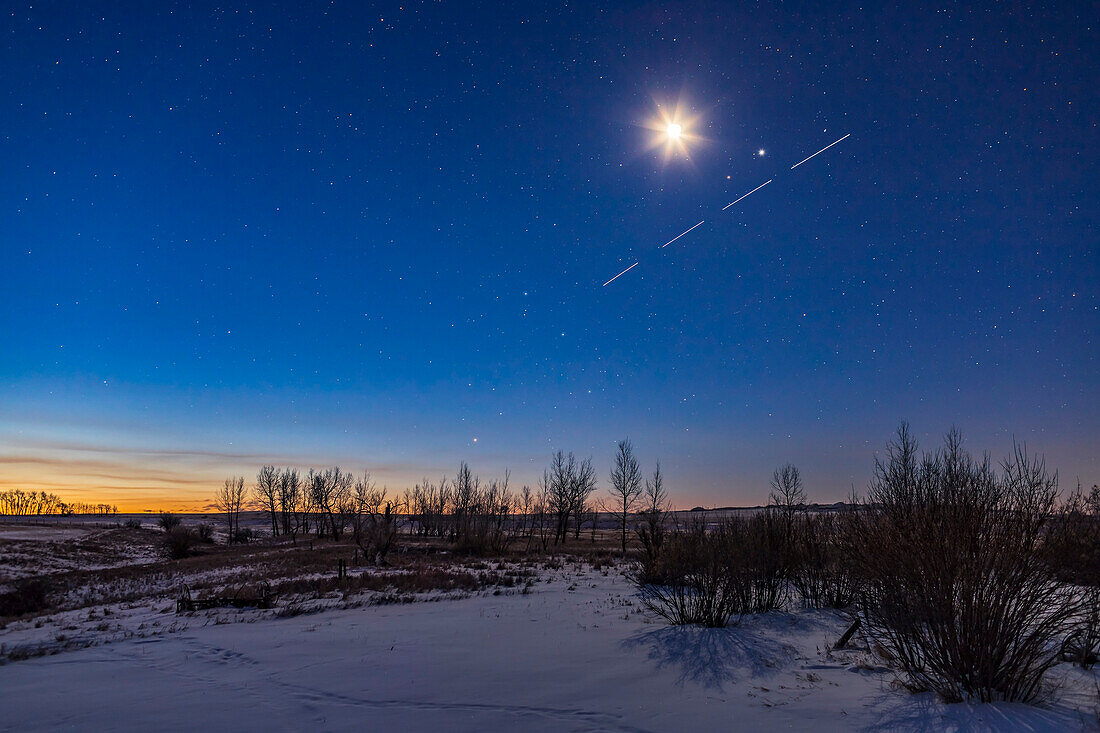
[
  {"x": 674, "y": 130},
  {"x": 760, "y": 152}
]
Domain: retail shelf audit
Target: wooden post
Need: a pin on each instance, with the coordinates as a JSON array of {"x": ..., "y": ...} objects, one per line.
[{"x": 848, "y": 634}]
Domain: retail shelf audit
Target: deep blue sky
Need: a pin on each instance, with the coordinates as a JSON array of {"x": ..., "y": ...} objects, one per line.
[{"x": 307, "y": 233}]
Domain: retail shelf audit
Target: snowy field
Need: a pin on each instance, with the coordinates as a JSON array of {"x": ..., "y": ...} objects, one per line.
[
  {"x": 573, "y": 653},
  {"x": 28, "y": 550}
]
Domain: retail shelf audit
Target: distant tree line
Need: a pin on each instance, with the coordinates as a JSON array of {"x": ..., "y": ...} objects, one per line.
[
  {"x": 477, "y": 516},
  {"x": 35, "y": 503}
]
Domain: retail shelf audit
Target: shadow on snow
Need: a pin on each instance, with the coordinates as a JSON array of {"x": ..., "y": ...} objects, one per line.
[{"x": 713, "y": 657}]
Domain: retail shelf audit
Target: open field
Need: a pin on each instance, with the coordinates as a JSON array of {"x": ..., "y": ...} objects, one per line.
[{"x": 435, "y": 641}]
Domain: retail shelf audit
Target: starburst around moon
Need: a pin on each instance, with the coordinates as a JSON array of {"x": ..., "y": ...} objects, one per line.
[{"x": 672, "y": 131}]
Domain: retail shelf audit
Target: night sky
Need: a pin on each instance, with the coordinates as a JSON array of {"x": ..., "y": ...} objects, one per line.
[{"x": 308, "y": 233}]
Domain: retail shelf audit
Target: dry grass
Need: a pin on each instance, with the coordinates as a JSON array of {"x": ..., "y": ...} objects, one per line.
[
  {"x": 422, "y": 577},
  {"x": 306, "y": 570},
  {"x": 88, "y": 548}
]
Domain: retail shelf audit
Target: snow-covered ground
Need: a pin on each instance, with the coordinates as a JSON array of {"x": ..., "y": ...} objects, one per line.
[
  {"x": 29, "y": 550},
  {"x": 575, "y": 653}
]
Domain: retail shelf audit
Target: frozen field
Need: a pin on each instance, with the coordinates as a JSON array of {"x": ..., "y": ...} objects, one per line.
[{"x": 575, "y": 653}]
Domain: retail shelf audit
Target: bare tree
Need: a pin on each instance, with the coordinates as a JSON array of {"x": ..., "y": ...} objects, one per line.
[
  {"x": 581, "y": 488},
  {"x": 330, "y": 491},
  {"x": 655, "y": 509},
  {"x": 432, "y": 503},
  {"x": 486, "y": 530},
  {"x": 525, "y": 505},
  {"x": 466, "y": 487},
  {"x": 230, "y": 501},
  {"x": 20, "y": 502},
  {"x": 556, "y": 485},
  {"x": 567, "y": 486},
  {"x": 374, "y": 522},
  {"x": 267, "y": 495},
  {"x": 540, "y": 510},
  {"x": 626, "y": 485},
  {"x": 595, "y": 508},
  {"x": 291, "y": 500},
  {"x": 787, "y": 493}
]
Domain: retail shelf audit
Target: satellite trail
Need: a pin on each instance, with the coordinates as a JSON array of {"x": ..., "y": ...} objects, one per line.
[
  {"x": 677, "y": 237},
  {"x": 620, "y": 274},
  {"x": 750, "y": 193},
  {"x": 819, "y": 152}
]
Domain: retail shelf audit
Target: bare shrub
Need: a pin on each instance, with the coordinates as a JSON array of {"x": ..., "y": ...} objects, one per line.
[
  {"x": 179, "y": 542},
  {"x": 205, "y": 533},
  {"x": 1072, "y": 542},
  {"x": 418, "y": 578},
  {"x": 761, "y": 561},
  {"x": 291, "y": 610},
  {"x": 167, "y": 521},
  {"x": 694, "y": 582},
  {"x": 819, "y": 570},
  {"x": 1082, "y": 646},
  {"x": 132, "y": 524},
  {"x": 653, "y": 528},
  {"x": 707, "y": 576},
  {"x": 953, "y": 588},
  {"x": 29, "y": 595}
]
